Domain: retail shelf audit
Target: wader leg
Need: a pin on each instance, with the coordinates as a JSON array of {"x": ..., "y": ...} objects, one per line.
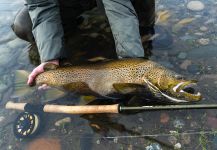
[{"x": 125, "y": 27}]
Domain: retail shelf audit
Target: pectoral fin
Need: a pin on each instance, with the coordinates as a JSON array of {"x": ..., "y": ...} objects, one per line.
[
  {"x": 53, "y": 94},
  {"x": 125, "y": 88}
]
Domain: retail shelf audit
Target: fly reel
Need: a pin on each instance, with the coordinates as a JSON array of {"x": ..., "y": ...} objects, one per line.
[{"x": 27, "y": 125}]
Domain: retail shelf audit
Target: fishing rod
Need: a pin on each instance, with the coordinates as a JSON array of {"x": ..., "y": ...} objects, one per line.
[{"x": 28, "y": 123}]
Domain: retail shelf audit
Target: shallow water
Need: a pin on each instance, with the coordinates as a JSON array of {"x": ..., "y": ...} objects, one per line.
[{"x": 192, "y": 52}]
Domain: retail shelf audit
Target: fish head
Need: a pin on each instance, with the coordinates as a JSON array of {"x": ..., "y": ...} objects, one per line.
[{"x": 174, "y": 88}]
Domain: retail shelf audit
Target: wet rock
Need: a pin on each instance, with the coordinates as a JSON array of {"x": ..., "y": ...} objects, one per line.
[
  {"x": 186, "y": 139},
  {"x": 2, "y": 118},
  {"x": 203, "y": 41},
  {"x": 45, "y": 144},
  {"x": 203, "y": 29},
  {"x": 141, "y": 120},
  {"x": 177, "y": 146},
  {"x": 182, "y": 55},
  {"x": 10, "y": 147},
  {"x": 172, "y": 140},
  {"x": 184, "y": 65},
  {"x": 164, "y": 118},
  {"x": 199, "y": 33},
  {"x": 193, "y": 68},
  {"x": 178, "y": 123},
  {"x": 154, "y": 146},
  {"x": 98, "y": 142},
  {"x": 63, "y": 121},
  {"x": 212, "y": 122},
  {"x": 195, "y": 5},
  {"x": 115, "y": 140}
]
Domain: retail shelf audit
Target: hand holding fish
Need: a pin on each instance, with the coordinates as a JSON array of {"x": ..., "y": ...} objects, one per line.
[{"x": 38, "y": 70}]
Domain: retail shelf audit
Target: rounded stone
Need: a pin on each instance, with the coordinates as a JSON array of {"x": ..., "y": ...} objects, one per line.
[
  {"x": 177, "y": 146},
  {"x": 195, "y": 5},
  {"x": 182, "y": 55},
  {"x": 203, "y": 41}
]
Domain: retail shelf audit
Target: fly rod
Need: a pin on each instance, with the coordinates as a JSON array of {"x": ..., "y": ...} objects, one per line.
[
  {"x": 29, "y": 122},
  {"x": 94, "y": 109}
]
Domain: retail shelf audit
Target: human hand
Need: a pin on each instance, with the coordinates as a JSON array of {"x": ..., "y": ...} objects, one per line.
[{"x": 39, "y": 70}]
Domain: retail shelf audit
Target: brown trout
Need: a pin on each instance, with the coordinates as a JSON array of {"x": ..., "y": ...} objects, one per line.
[{"x": 121, "y": 77}]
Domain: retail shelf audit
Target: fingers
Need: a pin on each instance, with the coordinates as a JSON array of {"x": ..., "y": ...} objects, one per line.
[
  {"x": 39, "y": 70},
  {"x": 43, "y": 87},
  {"x": 34, "y": 73}
]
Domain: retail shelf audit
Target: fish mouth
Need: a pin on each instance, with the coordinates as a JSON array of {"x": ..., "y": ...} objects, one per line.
[{"x": 189, "y": 90}]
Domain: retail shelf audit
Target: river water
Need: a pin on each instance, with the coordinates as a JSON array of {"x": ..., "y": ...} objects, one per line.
[{"x": 185, "y": 41}]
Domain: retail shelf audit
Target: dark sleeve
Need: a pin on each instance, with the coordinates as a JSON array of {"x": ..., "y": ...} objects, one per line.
[{"x": 47, "y": 28}]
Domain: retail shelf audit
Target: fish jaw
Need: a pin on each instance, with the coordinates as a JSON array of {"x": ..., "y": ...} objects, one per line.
[{"x": 179, "y": 93}]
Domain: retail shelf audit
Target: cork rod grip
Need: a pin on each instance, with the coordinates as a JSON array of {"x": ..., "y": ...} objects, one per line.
[
  {"x": 17, "y": 106},
  {"x": 87, "y": 109}
]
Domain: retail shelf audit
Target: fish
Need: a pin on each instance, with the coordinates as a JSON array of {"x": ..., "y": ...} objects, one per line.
[{"x": 114, "y": 78}]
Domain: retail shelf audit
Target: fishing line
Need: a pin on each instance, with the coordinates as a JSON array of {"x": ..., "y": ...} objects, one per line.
[{"x": 147, "y": 135}]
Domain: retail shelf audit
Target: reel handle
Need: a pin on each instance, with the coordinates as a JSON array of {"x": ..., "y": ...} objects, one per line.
[{"x": 87, "y": 109}]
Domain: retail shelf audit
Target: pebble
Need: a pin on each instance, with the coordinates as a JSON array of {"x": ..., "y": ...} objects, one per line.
[
  {"x": 172, "y": 140},
  {"x": 182, "y": 55},
  {"x": 186, "y": 139},
  {"x": 199, "y": 33},
  {"x": 115, "y": 140},
  {"x": 203, "y": 29},
  {"x": 177, "y": 146},
  {"x": 203, "y": 41},
  {"x": 195, "y": 5},
  {"x": 2, "y": 118},
  {"x": 184, "y": 65},
  {"x": 10, "y": 147},
  {"x": 63, "y": 121},
  {"x": 154, "y": 146},
  {"x": 98, "y": 142},
  {"x": 164, "y": 118},
  {"x": 178, "y": 123}
]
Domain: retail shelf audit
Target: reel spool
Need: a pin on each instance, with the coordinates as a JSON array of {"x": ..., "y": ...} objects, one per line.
[{"x": 27, "y": 125}]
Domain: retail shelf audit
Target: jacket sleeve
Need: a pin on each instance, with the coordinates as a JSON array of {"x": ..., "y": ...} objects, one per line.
[{"x": 47, "y": 28}]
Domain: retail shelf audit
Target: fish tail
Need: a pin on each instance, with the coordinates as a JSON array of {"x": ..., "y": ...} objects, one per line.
[{"x": 20, "y": 85}]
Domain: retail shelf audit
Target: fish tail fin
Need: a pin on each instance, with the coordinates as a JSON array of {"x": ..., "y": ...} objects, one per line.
[{"x": 21, "y": 88}]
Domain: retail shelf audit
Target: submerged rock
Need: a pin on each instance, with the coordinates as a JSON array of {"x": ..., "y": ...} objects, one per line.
[
  {"x": 45, "y": 144},
  {"x": 172, "y": 140},
  {"x": 177, "y": 146},
  {"x": 203, "y": 41},
  {"x": 178, "y": 124},
  {"x": 154, "y": 146},
  {"x": 195, "y": 5},
  {"x": 164, "y": 118},
  {"x": 186, "y": 139},
  {"x": 182, "y": 55},
  {"x": 63, "y": 121}
]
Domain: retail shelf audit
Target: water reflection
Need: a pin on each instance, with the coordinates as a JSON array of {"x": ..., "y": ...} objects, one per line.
[{"x": 184, "y": 41}]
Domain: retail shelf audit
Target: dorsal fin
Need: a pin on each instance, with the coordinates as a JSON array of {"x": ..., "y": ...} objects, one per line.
[{"x": 50, "y": 66}]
